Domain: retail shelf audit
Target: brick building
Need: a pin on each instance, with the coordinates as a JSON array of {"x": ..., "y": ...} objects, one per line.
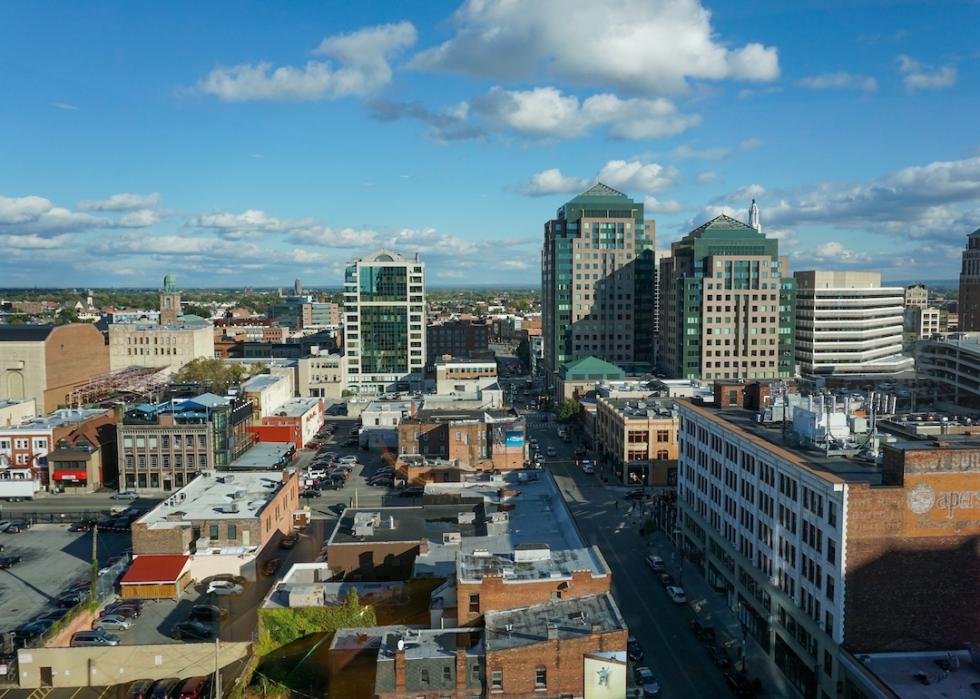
[
  {"x": 639, "y": 438},
  {"x": 461, "y": 338},
  {"x": 47, "y": 362},
  {"x": 298, "y": 420},
  {"x": 429, "y": 663},
  {"x": 222, "y": 521},
  {"x": 165, "y": 445},
  {"x": 816, "y": 552},
  {"x": 476, "y": 439},
  {"x": 541, "y": 650}
]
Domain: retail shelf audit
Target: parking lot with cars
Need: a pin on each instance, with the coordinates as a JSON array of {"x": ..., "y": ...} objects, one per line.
[{"x": 51, "y": 560}]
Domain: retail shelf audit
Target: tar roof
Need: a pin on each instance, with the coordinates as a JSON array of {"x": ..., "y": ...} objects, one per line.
[
  {"x": 390, "y": 524},
  {"x": 212, "y": 497},
  {"x": 262, "y": 382},
  {"x": 25, "y": 333},
  {"x": 297, "y": 407},
  {"x": 835, "y": 469},
  {"x": 568, "y": 618}
]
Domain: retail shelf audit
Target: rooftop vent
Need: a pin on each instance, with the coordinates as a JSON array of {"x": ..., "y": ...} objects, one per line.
[
  {"x": 532, "y": 552},
  {"x": 227, "y": 478},
  {"x": 229, "y": 509},
  {"x": 466, "y": 517},
  {"x": 451, "y": 538}
]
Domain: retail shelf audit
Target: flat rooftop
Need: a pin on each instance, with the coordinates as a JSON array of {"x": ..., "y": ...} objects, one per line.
[
  {"x": 157, "y": 327},
  {"x": 429, "y": 643},
  {"x": 262, "y": 456},
  {"x": 569, "y": 619},
  {"x": 388, "y": 406},
  {"x": 650, "y": 407},
  {"x": 58, "y": 418},
  {"x": 297, "y": 407},
  {"x": 404, "y": 524},
  {"x": 262, "y": 382},
  {"x": 215, "y": 497},
  {"x": 450, "y": 414},
  {"x": 831, "y": 467},
  {"x": 899, "y": 672}
]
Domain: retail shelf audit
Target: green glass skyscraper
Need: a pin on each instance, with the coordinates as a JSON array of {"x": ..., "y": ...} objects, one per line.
[{"x": 598, "y": 281}]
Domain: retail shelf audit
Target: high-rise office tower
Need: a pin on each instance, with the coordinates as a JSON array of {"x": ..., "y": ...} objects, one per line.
[
  {"x": 726, "y": 304},
  {"x": 597, "y": 279},
  {"x": 969, "y": 305},
  {"x": 848, "y": 324},
  {"x": 384, "y": 322}
]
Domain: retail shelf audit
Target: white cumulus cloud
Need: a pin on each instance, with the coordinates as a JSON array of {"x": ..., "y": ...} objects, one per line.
[
  {"x": 839, "y": 81},
  {"x": 362, "y": 68},
  {"x": 921, "y": 76},
  {"x": 125, "y": 201},
  {"x": 551, "y": 181},
  {"x": 633, "y": 175},
  {"x": 639, "y": 46}
]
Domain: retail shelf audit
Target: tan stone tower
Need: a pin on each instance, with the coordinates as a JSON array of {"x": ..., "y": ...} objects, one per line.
[{"x": 169, "y": 301}]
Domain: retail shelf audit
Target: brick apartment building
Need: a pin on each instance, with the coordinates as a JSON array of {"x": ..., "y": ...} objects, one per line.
[
  {"x": 162, "y": 447},
  {"x": 47, "y": 362},
  {"x": 462, "y": 338},
  {"x": 477, "y": 439},
  {"x": 430, "y": 663},
  {"x": 817, "y": 552},
  {"x": 538, "y": 650}
]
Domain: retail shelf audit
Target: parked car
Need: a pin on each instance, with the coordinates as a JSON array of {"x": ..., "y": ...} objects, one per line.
[
  {"x": 382, "y": 481},
  {"x": 126, "y": 611},
  {"x": 331, "y": 483},
  {"x": 656, "y": 563},
  {"x": 226, "y": 577},
  {"x": 633, "y": 649},
  {"x": 81, "y": 526},
  {"x": 4, "y": 523},
  {"x": 94, "y": 638},
  {"x": 719, "y": 657},
  {"x": 676, "y": 594},
  {"x": 166, "y": 689},
  {"x": 207, "y": 612},
  {"x": 289, "y": 541},
  {"x": 644, "y": 678},
  {"x": 192, "y": 631},
  {"x": 112, "y": 622},
  {"x": 223, "y": 587},
  {"x": 18, "y": 526},
  {"x": 347, "y": 460},
  {"x": 310, "y": 493},
  {"x": 71, "y": 599},
  {"x": 415, "y": 491},
  {"x": 271, "y": 567},
  {"x": 666, "y": 579},
  {"x": 550, "y": 451},
  {"x": 124, "y": 495},
  {"x": 27, "y": 633},
  {"x": 56, "y": 614},
  {"x": 8, "y": 562},
  {"x": 316, "y": 473},
  {"x": 740, "y": 684},
  {"x": 587, "y": 467},
  {"x": 194, "y": 688},
  {"x": 337, "y": 508},
  {"x": 702, "y": 632},
  {"x": 140, "y": 689}
]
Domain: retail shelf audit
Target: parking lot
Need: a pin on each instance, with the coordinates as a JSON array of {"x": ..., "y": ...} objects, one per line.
[{"x": 52, "y": 558}]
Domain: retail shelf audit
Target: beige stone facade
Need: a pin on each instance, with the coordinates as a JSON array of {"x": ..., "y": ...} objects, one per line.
[
  {"x": 321, "y": 376},
  {"x": 639, "y": 438},
  {"x": 151, "y": 345}
]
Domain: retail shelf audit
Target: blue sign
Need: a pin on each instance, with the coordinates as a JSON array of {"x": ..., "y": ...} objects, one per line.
[{"x": 514, "y": 439}]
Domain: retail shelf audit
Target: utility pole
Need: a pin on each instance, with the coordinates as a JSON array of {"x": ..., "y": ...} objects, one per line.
[
  {"x": 217, "y": 670},
  {"x": 94, "y": 586}
]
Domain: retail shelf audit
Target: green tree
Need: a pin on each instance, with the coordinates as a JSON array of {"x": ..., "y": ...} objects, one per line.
[
  {"x": 194, "y": 309},
  {"x": 66, "y": 315},
  {"x": 567, "y": 410},
  {"x": 213, "y": 373}
]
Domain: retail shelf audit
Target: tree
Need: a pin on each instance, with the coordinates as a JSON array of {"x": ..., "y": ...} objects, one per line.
[
  {"x": 215, "y": 374},
  {"x": 567, "y": 410},
  {"x": 66, "y": 315}
]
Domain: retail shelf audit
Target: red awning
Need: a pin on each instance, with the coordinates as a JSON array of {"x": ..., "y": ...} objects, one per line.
[
  {"x": 164, "y": 568},
  {"x": 71, "y": 475}
]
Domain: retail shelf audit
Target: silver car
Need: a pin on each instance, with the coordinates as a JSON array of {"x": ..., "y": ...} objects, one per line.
[{"x": 112, "y": 622}]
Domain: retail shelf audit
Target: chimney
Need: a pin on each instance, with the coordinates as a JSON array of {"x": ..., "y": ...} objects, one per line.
[
  {"x": 400, "y": 669},
  {"x": 596, "y": 629},
  {"x": 462, "y": 673}
]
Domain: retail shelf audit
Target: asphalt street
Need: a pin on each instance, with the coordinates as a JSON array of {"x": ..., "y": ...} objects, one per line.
[{"x": 678, "y": 660}]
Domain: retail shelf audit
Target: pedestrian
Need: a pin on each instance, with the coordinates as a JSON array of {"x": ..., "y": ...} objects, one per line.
[{"x": 617, "y": 504}]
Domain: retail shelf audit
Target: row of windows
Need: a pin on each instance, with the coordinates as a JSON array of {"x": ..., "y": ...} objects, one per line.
[{"x": 40, "y": 444}]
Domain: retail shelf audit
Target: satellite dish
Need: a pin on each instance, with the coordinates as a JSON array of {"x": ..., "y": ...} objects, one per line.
[{"x": 401, "y": 644}]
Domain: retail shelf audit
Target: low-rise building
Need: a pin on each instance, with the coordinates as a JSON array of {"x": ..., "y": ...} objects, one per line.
[
  {"x": 485, "y": 440},
  {"x": 321, "y": 375},
  {"x": 47, "y": 362},
  {"x": 296, "y": 421},
  {"x": 267, "y": 392},
  {"x": 153, "y": 345},
  {"x": 579, "y": 377},
  {"x": 463, "y": 337},
  {"x": 950, "y": 367},
  {"x": 469, "y": 379},
  {"x": 163, "y": 446},
  {"x": 817, "y": 552},
  {"x": 545, "y": 649},
  {"x": 923, "y": 323},
  {"x": 639, "y": 438},
  {"x": 14, "y": 412},
  {"x": 414, "y": 663},
  {"x": 379, "y": 422},
  {"x": 221, "y": 521},
  {"x": 916, "y": 296}
]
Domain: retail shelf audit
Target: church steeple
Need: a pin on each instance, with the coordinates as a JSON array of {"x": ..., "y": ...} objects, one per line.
[{"x": 169, "y": 301}]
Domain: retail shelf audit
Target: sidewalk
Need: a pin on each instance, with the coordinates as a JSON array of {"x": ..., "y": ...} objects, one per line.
[{"x": 710, "y": 608}]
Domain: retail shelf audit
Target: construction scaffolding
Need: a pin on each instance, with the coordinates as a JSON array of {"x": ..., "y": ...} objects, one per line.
[{"x": 132, "y": 383}]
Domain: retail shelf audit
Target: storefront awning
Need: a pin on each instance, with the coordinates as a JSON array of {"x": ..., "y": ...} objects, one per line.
[{"x": 71, "y": 475}]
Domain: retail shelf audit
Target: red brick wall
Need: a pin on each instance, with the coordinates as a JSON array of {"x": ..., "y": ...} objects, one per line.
[
  {"x": 495, "y": 594},
  {"x": 373, "y": 561},
  {"x": 911, "y": 579},
  {"x": 563, "y": 660},
  {"x": 73, "y": 354}
]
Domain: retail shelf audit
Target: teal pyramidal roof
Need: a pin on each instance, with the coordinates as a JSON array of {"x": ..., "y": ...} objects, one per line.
[
  {"x": 589, "y": 368},
  {"x": 722, "y": 223}
]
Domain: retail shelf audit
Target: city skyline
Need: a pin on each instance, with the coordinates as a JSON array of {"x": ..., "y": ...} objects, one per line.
[{"x": 246, "y": 148}]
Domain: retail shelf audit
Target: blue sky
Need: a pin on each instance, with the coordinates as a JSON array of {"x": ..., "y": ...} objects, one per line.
[{"x": 249, "y": 143}]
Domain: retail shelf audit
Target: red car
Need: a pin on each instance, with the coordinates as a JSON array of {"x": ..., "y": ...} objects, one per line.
[{"x": 194, "y": 688}]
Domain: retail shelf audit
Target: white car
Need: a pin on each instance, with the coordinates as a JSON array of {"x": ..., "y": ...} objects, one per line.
[
  {"x": 124, "y": 495},
  {"x": 676, "y": 593},
  {"x": 316, "y": 473},
  {"x": 656, "y": 564},
  {"x": 645, "y": 679},
  {"x": 587, "y": 467},
  {"x": 223, "y": 587},
  {"x": 347, "y": 460}
]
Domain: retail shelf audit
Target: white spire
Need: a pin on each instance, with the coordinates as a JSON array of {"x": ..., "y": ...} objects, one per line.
[{"x": 754, "y": 216}]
